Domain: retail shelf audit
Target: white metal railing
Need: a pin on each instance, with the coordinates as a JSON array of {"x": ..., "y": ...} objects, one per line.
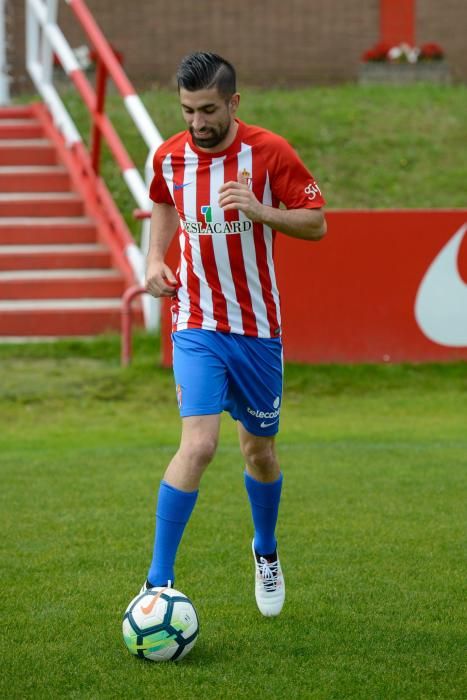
[
  {"x": 4, "y": 67},
  {"x": 44, "y": 38}
]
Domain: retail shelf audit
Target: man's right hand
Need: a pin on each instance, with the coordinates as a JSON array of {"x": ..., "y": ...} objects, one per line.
[{"x": 160, "y": 280}]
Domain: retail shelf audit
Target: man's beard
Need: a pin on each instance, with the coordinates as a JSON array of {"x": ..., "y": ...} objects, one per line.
[{"x": 213, "y": 136}]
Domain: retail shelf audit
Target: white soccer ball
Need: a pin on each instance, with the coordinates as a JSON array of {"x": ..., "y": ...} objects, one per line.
[{"x": 160, "y": 624}]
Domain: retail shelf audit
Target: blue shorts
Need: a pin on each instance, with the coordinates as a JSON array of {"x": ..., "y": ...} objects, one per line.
[{"x": 217, "y": 372}]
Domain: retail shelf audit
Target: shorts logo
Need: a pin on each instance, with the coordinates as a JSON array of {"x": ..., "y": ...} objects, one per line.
[
  {"x": 312, "y": 190},
  {"x": 272, "y": 416},
  {"x": 179, "y": 395},
  {"x": 266, "y": 425}
]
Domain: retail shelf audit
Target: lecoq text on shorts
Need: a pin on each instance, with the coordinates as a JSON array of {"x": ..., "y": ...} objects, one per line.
[{"x": 264, "y": 414}]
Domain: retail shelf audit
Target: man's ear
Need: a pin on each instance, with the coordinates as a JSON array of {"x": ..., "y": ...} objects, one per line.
[{"x": 234, "y": 102}]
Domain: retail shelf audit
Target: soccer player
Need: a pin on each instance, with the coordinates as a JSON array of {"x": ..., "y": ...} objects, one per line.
[{"x": 219, "y": 184}]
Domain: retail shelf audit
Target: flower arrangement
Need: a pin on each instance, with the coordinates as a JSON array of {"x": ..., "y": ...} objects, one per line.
[
  {"x": 431, "y": 52},
  {"x": 403, "y": 53}
]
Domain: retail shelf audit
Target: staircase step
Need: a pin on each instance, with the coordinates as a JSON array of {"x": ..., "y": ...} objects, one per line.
[
  {"x": 61, "y": 317},
  {"x": 61, "y": 284},
  {"x": 54, "y": 257},
  {"x": 30, "y": 339},
  {"x": 58, "y": 304},
  {"x": 27, "y": 152},
  {"x": 40, "y": 204},
  {"x": 17, "y": 112},
  {"x": 56, "y": 279},
  {"x": 78, "y": 273},
  {"x": 34, "y": 178},
  {"x": 19, "y": 230},
  {"x": 18, "y": 128}
]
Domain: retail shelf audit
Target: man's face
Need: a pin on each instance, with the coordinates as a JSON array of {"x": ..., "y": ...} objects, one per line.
[{"x": 208, "y": 115}]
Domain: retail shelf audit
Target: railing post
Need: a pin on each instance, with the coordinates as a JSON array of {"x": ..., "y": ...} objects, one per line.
[
  {"x": 101, "y": 84},
  {"x": 32, "y": 37},
  {"x": 126, "y": 323},
  {"x": 46, "y": 48},
  {"x": 4, "y": 77}
]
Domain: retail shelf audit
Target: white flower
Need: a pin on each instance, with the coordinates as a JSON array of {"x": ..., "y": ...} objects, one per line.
[
  {"x": 395, "y": 53},
  {"x": 404, "y": 52},
  {"x": 413, "y": 55}
]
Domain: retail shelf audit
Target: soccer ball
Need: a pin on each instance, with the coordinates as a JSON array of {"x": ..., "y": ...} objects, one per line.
[{"x": 160, "y": 624}]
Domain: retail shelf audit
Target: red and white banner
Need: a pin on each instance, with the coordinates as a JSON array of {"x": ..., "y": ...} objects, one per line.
[{"x": 382, "y": 286}]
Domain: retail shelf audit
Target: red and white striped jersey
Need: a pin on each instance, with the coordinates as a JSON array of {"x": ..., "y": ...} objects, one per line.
[{"x": 226, "y": 274}]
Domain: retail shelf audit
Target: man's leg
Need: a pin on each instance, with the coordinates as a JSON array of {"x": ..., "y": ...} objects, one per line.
[
  {"x": 178, "y": 492},
  {"x": 263, "y": 482}
]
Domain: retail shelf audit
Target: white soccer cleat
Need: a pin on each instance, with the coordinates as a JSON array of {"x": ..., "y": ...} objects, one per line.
[
  {"x": 269, "y": 584},
  {"x": 144, "y": 588},
  {"x": 148, "y": 588}
]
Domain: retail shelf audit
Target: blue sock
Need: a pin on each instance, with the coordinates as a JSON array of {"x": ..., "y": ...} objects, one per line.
[
  {"x": 264, "y": 501},
  {"x": 174, "y": 508}
]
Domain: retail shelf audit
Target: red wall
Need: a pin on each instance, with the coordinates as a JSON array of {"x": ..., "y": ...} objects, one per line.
[
  {"x": 271, "y": 42},
  {"x": 397, "y": 22},
  {"x": 352, "y": 296}
]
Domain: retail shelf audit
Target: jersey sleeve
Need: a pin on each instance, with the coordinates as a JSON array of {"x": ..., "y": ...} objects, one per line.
[
  {"x": 158, "y": 191},
  {"x": 291, "y": 182}
]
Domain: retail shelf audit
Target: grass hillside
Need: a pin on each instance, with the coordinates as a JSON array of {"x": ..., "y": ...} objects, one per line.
[{"x": 369, "y": 147}]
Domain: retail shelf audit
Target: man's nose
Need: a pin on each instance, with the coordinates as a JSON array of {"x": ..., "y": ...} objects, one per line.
[{"x": 198, "y": 122}]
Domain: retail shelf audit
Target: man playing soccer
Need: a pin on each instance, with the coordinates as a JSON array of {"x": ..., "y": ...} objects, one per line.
[{"x": 219, "y": 185}]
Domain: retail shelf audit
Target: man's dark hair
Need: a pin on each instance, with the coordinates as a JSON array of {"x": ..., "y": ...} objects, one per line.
[{"x": 202, "y": 70}]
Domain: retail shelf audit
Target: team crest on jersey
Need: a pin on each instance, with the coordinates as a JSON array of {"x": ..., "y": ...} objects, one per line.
[{"x": 246, "y": 177}]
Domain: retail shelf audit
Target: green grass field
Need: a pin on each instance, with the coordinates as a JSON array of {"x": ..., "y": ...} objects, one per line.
[
  {"x": 372, "y": 532},
  {"x": 372, "y": 526}
]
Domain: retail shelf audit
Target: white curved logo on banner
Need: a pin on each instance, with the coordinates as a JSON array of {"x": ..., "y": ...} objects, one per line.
[{"x": 441, "y": 302}]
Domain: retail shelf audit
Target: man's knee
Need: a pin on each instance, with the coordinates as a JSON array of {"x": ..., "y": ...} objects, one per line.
[
  {"x": 260, "y": 455},
  {"x": 199, "y": 450}
]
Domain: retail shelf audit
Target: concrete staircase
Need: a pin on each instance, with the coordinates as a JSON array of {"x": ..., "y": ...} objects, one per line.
[{"x": 57, "y": 276}]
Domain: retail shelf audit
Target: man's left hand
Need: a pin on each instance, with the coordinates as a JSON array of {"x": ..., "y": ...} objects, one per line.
[{"x": 237, "y": 195}]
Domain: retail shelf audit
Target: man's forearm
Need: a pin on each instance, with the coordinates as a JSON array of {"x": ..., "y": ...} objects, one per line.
[
  {"x": 308, "y": 224},
  {"x": 164, "y": 223},
  {"x": 160, "y": 278}
]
